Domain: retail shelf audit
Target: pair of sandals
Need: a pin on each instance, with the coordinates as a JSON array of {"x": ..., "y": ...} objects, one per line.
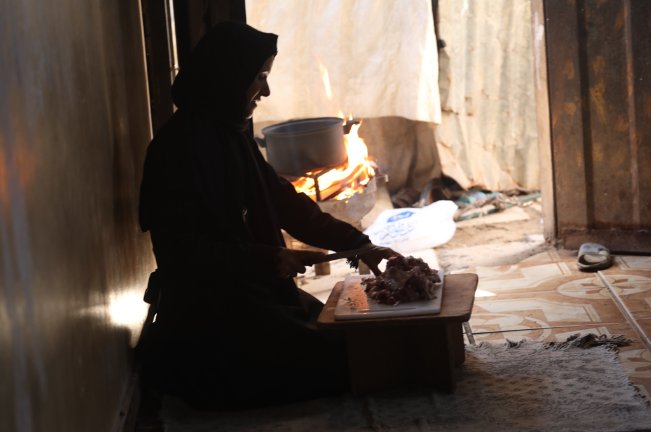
[{"x": 593, "y": 257}]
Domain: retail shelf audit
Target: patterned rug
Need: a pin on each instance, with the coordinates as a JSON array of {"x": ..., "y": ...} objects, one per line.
[{"x": 524, "y": 387}]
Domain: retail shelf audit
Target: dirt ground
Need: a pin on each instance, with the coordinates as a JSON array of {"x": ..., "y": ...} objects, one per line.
[
  {"x": 494, "y": 244},
  {"x": 515, "y": 231}
]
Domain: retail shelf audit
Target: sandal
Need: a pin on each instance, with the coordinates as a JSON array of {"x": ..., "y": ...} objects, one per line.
[{"x": 593, "y": 256}]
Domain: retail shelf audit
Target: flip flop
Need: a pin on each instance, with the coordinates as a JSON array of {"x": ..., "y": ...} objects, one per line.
[{"x": 593, "y": 256}]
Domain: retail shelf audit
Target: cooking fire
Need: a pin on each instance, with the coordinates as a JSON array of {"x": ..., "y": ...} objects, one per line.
[
  {"x": 323, "y": 157},
  {"x": 341, "y": 182}
]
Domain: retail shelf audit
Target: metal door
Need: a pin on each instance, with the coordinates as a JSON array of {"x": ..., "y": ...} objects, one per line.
[{"x": 599, "y": 83}]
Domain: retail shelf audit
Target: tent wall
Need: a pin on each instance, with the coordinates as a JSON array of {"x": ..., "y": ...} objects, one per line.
[
  {"x": 488, "y": 132},
  {"x": 380, "y": 59}
]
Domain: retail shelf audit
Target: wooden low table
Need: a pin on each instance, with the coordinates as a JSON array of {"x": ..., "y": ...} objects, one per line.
[{"x": 387, "y": 352}]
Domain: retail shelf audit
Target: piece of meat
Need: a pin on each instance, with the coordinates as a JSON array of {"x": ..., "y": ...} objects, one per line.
[
  {"x": 395, "y": 279},
  {"x": 405, "y": 279}
]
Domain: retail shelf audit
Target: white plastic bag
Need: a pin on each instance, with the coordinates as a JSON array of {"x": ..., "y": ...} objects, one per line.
[{"x": 411, "y": 229}]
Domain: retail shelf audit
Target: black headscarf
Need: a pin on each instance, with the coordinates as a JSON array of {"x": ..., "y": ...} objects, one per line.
[
  {"x": 205, "y": 180},
  {"x": 220, "y": 69}
]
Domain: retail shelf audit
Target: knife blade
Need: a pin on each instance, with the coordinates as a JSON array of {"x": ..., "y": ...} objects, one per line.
[{"x": 344, "y": 254}]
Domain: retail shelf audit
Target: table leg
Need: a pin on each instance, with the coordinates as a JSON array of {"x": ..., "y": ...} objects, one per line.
[
  {"x": 383, "y": 357},
  {"x": 455, "y": 339},
  {"x": 322, "y": 269}
]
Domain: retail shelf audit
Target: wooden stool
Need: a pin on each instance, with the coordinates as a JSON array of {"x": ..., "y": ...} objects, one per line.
[{"x": 387, "y": 352}]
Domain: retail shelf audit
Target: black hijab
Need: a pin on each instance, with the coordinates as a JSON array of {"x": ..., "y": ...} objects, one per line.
[{"x": 220, "y": 69}]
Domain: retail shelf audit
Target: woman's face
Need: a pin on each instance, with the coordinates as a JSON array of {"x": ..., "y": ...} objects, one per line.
[{"x": 259, "y": 88}]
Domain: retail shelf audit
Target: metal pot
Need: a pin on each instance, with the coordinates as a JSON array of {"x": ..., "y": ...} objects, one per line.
[{"x": 296, "y": 147}]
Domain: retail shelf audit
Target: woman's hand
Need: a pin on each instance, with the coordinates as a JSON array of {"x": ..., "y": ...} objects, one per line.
[
  {"x": 375, "y": 257},
  {"x": 293, "y": 261}
]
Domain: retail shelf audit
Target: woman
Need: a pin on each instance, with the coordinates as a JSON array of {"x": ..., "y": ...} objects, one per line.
[{"x": 233, "y": 331}]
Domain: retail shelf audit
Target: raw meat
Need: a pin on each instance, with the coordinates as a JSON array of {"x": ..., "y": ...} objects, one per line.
[{"x": 405, "y": 279}]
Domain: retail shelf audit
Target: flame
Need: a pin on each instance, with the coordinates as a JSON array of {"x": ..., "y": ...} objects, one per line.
[
  {"x": 325, "y": 78},
  {"x": 357, "y": 171}
]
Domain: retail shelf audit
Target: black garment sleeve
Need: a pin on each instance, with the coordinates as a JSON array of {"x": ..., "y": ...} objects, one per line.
[{"x": 303, "y": 219}]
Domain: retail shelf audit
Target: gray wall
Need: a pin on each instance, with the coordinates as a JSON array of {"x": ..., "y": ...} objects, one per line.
[{"x": 74, "y": 126}]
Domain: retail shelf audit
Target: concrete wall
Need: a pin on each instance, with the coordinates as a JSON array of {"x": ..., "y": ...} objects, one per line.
[{"x": 74, "y": 126}]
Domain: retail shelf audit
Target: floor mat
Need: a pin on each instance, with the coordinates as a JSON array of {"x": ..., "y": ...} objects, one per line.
[{"x": 529, "y": 387}]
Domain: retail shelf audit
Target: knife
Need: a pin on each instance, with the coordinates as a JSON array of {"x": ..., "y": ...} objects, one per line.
[{"x": 344, "y": 254}]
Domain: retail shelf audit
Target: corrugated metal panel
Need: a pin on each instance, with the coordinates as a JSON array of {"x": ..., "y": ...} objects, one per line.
[
  {"x": 74, "y": 127},
  {"x": 599, "y": 60},
  {"x": 488, "y": 133}
]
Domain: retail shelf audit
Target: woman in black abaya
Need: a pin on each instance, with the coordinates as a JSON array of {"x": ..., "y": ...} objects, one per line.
[{"x": 233, "y": 331}]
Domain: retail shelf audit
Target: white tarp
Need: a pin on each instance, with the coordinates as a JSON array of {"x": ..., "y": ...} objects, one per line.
[
  {"x": 380, "y": 56},
  {"x": 488, "y": 134}
]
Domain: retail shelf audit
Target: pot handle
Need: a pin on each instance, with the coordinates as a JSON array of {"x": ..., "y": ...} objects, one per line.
[
  {"x": 349, "y": 125},
  {"x": 262, "y": 142}
]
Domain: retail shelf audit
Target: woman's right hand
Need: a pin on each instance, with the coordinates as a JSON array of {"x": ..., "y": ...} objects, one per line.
[{"x": 293, "y": 261}]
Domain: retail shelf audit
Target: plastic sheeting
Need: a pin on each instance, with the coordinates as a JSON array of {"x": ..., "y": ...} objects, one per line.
[
  {"x": 408, "y": 230},
  {"x": 488, "y": 133},
  {"x": 380, "y": 57}
]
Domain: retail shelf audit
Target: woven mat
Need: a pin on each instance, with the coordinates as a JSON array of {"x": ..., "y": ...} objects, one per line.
[{"x": 522, "y": 387}]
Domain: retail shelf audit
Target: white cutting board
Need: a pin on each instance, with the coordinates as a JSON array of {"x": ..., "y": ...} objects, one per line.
[{"x": 354, "y": 304}]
